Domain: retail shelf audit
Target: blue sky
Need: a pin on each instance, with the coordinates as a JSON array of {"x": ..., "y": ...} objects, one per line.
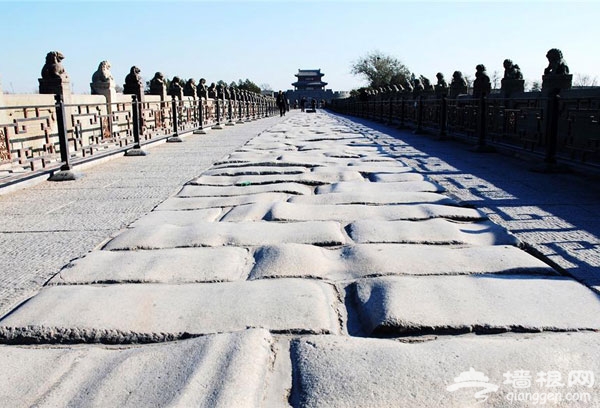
[{"x": 268, "y": 41}]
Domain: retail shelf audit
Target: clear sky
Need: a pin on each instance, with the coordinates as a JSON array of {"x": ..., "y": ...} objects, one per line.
[{"x": 268, "y": 41}]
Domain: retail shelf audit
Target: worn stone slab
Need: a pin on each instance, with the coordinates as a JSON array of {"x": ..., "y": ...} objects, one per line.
[
  {"x": 283, "y": 211},
  {"x": 396, "y": 177},
  {"x": 254, "y": 170},
  {"x": 228, "y": 191},
  {"x": 312, "y": 179},
  {"x": 221, "y": 370},
  {"x": 249, "y": 212},
  {"x": 158, "y": 310},
  {"x": 368, "y": 198},
  {"x": 379, "y": 188},
  {"x": 475, "y": 303},
  {"x": 275, "y": 159},
  {"x": 228, "y": 233},
  {"x": 314, "y": 157},
  {"x": 267, "y": 164},
  {"x": 246, "y": 157},
  {"x": 177, "y": 265},
  {"x": 178, "y": 217},
  {"x": 435, "y": 231},
  {"x": 195, "y": 203},
  {"x": 335, "y": 371},
  {"x": 364, "y": 260}
]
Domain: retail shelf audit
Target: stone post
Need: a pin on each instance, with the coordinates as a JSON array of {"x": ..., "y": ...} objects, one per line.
[
  {"x": 158, "y": 86},
  {"x": 176, "y": 90},
  {"x": 65, "y": 173},
  {"x": 55, "y": 79},
  {"x": 175, "y": 138},
  {"x": 133, "y": 84},
  {"x": 103, "y": 83}
]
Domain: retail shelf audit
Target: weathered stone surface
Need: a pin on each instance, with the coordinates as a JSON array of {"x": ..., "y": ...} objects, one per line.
[
  {"x": 284, "y": 305},
  {"x": 218, "y": 191},
  {"x": 480, "y": 303},
  {"x": 396, "y": 177},
  {"x": 362, "y": 260},
  {"x": 434, "y": 231},
  {"x": 254, "y": 170},
  {"x": 177, "y": 265},
  {"x": 380, "y": 188},
  {"x": 312, "y": 179},
  {"x": 222, "y": 370},
  {"x": 368, "y": 198},
  {"x": 178, "y": 217},
  {"x": 349, "y": 212},
  {"x": 333, "y": 371},
  {"x": 228, "y": 233},
  {"x": 248, "y": 212},
  {"x": 194, "y": 203}
]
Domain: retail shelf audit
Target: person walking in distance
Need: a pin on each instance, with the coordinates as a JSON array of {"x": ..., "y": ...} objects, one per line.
[
  {"x": 281, "y": 103},
  {"x": 302, "y": 103}
]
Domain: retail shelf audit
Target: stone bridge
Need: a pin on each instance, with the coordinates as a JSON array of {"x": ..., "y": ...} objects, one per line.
[
  {"x": 306, "y": 260},
  {"x": 202, "y": 251}
]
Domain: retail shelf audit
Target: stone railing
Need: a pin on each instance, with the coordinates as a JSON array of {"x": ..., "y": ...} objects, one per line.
[
  {"x": 42, "y": 133},
  {"x": 561, "y": 126}
]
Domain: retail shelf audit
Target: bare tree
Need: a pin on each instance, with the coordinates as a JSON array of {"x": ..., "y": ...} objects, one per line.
[
  {"x": 380, "y": 69},
  {"x": 495, "y": 79},
  {"x": 584, "y": 80}
]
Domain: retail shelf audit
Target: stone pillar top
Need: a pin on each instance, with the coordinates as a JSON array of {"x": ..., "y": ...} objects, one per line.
[
  {"x": 102, "y": 79},
  {"x": 55, "y": 79}
]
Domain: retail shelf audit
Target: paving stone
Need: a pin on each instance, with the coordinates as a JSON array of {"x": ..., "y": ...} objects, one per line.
[
  {"x": 480, "y": 303},
  {"x": 228, "y": 233},
  {"x": 254, "y": 170},
  {"x": 178, "y": 217},
  {"x": 313, "y": 178},
  {"x": 248, "y": 212},
  {"x": 221, "y": 370},
  {"x": 282, "y": 211},
  {"x": 194, "y": 203},
  {"x": 158, "y": 310},
  {"x": 219, "y": 191},
  {"x": 368, "y": 198},
  {"x": 434, "y": 231},
  {"x": 246, "y": 157},
  {"x": 379, "y": 188},
  {"x": 177, "y": 265},
  {"x": 275, "y": 162},
  {"x": 381, "y": 168},
  {"x": 396, "y": 177},
  {"x": 335, "y": 371},
  {"x": 363, "y": 260}
]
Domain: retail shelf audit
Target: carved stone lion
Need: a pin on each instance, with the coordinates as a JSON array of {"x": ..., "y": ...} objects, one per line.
[
  {"x": 53, "y": 68},
  {"x": 103, "y": 73},
  {"x": 556, "y": 63},
  {"x": 133, "y": 78}
]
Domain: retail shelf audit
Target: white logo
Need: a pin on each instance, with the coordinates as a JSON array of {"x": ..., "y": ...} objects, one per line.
[{"x": 474, "y": 379}]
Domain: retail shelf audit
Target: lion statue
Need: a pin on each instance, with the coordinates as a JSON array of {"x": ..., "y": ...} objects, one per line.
[
  {"x": 556, "y": 63},
  {"x": 102, "y": 78},
  {"x": 133, "y": 78},
  {"x": 133, "y": 82},
  {"x": 53, "y": 68},
  {"x": 103, "y": 73}
]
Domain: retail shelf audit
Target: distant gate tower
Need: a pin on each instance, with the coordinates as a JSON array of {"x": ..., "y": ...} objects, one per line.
[
  {"x": 309, "y": 80},
  {"x": 310, "y": 86}
]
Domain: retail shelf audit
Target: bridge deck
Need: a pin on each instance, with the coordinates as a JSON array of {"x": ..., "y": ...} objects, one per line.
[{"x": 310, "y": 260}]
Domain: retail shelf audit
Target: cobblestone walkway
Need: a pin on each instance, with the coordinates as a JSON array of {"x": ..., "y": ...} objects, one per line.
[{"x": 323, "y": 263}]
